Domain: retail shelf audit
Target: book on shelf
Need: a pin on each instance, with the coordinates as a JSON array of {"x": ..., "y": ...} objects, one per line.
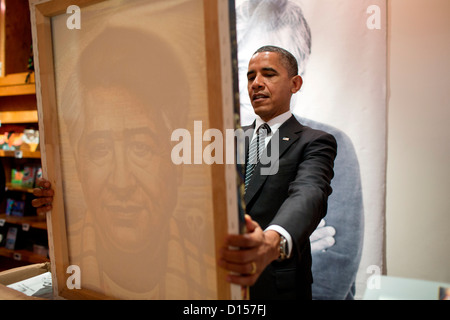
[
  {"x": 28, "y": 140},
  {"x": 15, "y": 208},
  {"x": 11, "y": 238},
  {"x": 25, "y": 177}
]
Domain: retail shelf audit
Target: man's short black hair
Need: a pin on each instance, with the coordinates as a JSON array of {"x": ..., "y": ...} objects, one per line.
[{"x": 287, "y": 58}]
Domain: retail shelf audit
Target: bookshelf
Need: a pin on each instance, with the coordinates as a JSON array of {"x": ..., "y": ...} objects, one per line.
[{"x": 18, "y": 110}]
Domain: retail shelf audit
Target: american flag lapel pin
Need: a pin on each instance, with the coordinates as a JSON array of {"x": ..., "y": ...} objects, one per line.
[{"x": 285, "y": 139}]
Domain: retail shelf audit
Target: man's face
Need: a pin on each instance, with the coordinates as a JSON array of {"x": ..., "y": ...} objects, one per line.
[
  {"x": 126, "y": 176},
  {"x": 269, "y": 85}
]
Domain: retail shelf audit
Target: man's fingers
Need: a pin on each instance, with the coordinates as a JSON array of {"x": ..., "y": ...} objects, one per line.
[
  {"x": 244, "y": 274},
  {"x": 39, "y": 202},
  {"x": 243, "y": 241},
  {"x": 248, "y": 268},
  {"x": 239, "y": 256},
  {"x": 250, "y": 224},
  {"x": 38, "y": 192},
  {"x": 243, "y": 263},
  {"x": 42, "y": 183},
  {"x": 43, "y": 210},
  {"x": 243, "y": 280},
  {"x": 251, "y": 239},
  {"x": 44, "y": 194}
]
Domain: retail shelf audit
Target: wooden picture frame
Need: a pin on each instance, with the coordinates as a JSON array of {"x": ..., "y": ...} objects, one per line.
[{"x": 92, "y": 246}]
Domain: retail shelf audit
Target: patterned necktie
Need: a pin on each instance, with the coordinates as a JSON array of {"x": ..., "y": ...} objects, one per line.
[{"x": 255, "y": 151}]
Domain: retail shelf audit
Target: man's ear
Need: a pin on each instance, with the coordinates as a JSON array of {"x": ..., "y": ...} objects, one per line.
[{"x": 297, "y": 83}]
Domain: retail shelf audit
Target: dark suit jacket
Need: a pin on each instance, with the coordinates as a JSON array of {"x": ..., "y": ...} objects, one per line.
[{"x": 294, "y": 196}]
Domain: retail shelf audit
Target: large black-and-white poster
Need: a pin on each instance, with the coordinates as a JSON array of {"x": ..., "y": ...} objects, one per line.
[{"x": 340, "y": 46}]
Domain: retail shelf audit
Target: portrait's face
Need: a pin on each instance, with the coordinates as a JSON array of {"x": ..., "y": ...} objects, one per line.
[
  {"x": 269, "y": 85},
  {"x": 127, "y": 178}
]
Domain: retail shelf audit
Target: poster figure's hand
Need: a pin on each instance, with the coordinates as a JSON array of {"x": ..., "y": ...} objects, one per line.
[
  {"x": 323, "y": 237},
  {"x": 44, "y": 194},
  {"x": 247, "y": 255}
]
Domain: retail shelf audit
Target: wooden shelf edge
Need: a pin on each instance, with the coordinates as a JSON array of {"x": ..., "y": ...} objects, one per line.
[
  {"x": 20, "y": 154},
  {"x": 17, "y": 90},
  {"x": 21, "y": 116},
  {"x": 16, "y": 79},
  {"x": 23, "y": 255},
  {"x": 15, "y": 84},
  {"x": 36, "y": 222},
  {"x": 14, "y": 187}
]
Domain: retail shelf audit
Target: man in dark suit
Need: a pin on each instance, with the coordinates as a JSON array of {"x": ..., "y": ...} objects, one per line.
[{"x": 287, "y": 201}]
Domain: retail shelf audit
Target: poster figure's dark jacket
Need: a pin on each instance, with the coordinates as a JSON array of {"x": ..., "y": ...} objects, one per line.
[
  {"x": 294, "y": 196},
  {"x": 334, "y": 270}
]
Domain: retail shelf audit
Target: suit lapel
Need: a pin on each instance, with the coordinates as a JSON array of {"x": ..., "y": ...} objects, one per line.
[{"x": 285, "y": 136}]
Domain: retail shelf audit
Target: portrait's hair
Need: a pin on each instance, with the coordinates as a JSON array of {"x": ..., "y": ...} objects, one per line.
[
  {"x": 143, "y": 64},
  {"x": 281, "y": 21},
  {"x": 286, "y": 58}
]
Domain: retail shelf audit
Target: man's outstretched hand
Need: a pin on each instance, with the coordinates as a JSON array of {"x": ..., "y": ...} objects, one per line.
[
  {"x": 44, "y": 194},
  {"x": 247, "y": 255}
]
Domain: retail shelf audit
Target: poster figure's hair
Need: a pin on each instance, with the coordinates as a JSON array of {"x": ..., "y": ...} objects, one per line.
[
  {"x": 282, "y": 21},
  {"x": 287, "y": 59},
  {"x": 142, "y": 63}
]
